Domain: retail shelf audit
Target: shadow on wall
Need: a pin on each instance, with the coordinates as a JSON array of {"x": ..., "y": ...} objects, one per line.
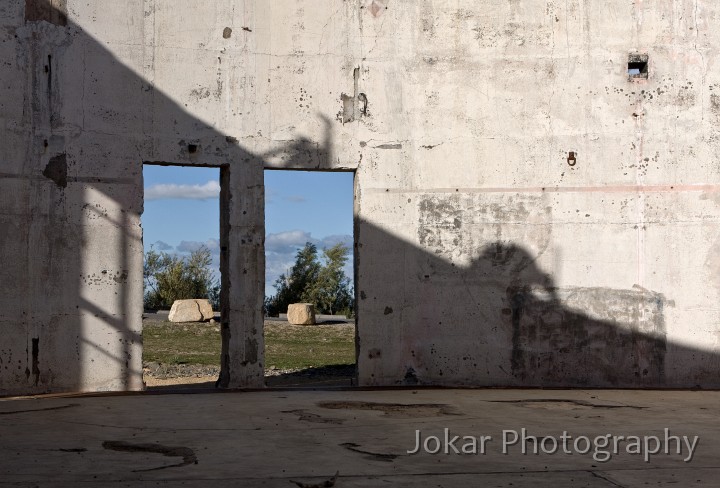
[
  {"x": 499, "y": 321},
  {"x": 72, "y": 297},
  {"x": 556, "y": 337},
  {"x": 502, "y": 321}
]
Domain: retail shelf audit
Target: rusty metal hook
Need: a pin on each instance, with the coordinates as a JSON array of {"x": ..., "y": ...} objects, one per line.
[{"x": 571, "y": 158}]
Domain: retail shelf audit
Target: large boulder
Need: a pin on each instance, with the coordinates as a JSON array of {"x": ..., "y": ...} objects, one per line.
[
  {"x": 301, "y": 314},
  {"x": 192, "y": 310}
]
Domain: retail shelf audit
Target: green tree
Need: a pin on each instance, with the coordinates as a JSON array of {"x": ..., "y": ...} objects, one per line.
[
  {"x": 292, "y": 288},
  {"x": 330, "y": 292},
  {"x": 170, "y": 277},
  {"x": 322, "y": 284}
]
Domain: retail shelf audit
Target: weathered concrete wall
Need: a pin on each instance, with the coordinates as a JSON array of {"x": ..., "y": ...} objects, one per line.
[
  {"x": 83, "y": 107},
  {"x": 511, "y": 262},
  {"x": 526, "y": 214}
]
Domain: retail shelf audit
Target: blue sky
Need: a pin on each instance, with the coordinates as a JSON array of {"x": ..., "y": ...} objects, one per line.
[{"x": 182, "y": 212}]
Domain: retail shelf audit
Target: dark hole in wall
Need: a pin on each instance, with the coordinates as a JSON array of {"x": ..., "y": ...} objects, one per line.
[
  {"x": 56, "y": 170},
  {"x": 638, "y": 66},
  {"x": 35, "y": 360}
]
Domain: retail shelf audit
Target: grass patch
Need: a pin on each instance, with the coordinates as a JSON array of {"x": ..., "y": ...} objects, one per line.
[
  {"x": 286, "y": 346},
  {"x": 307, "y": 346},
  {"x": 186, "y": 343}
]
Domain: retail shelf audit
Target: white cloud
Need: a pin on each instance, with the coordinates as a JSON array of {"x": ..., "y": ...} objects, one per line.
[
  {"x": 287, "y": 242},
  {"x": 330, "y": 241},
  {"x": 161, "y": 246},
  {"x": 281, "y": 248},
  {"x": 189, "y": 246},
  {"x": 211, "y": 189}
]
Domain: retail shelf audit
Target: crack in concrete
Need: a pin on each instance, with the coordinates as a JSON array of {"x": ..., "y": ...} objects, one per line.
[
  {"x": 378, "y": 456},
  {"x": 597, "y": 475},
  {"x": 579, "y": 403}
]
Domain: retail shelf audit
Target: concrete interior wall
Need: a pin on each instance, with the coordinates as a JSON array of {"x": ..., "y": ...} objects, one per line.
[{"x": 526, "y": 212}]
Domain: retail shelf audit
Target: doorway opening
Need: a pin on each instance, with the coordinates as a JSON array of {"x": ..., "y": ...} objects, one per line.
[
  {"x": 181, "y": 241},
  {"x": 310, "y": 330}
]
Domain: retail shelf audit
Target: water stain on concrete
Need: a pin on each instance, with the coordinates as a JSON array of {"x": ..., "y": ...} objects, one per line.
[
  {"x": 306, "y": 416},
  {"x": 187, "y": 454}
]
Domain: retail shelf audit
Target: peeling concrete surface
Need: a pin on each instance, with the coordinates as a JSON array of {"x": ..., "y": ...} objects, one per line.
[{"x": 527, "y": 211}]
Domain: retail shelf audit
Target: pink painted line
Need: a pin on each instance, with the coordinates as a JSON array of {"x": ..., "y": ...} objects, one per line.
[
  {"x": 630, "y": 188},
  {"x": 562, "y": 189}
]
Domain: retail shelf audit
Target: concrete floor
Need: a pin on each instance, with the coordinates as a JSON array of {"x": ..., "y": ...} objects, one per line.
[{"x": 272, "y": 438}]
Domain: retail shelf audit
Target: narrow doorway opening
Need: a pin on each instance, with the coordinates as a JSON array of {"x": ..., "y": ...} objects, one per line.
[
  {"x": 181, "y": 276},
  {"x": 309, "y": 269}
]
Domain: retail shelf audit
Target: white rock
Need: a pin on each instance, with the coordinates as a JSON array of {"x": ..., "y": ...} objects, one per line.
[
  {"x": 301, "y": 314},
  {"x": 192, "y": 310}
]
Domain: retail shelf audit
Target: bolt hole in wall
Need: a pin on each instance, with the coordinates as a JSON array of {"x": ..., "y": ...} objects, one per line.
[
  {"x": 309, "y": 259},
  {"x": 181, "y": 232}
]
